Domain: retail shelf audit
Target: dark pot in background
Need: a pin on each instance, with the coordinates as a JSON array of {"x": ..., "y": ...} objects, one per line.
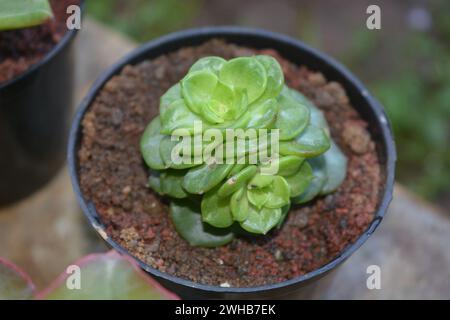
[
  {"x": 35, "y": 112},
  {"x": 299, "y": 53}
]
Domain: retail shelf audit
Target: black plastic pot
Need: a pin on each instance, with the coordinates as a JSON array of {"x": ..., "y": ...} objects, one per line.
[
  {"x": 298, "y": 53},
  {"x": 35, "y": 112}
]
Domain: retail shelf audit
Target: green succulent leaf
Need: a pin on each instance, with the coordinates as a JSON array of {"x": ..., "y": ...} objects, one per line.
[
  {"x": 223, "y": 104},
  {"x": 166, "y": 147},
  {"x": 236, "y": 169},
  {"x": 213, "y": 64},
  {"x": 318, "y": 181},
  {"x": 260, "y": 181},
  {"x": 239, "y": 205},
  {"x": 275, "y": 76},
  {"x": 336, "y": 168},
  {"x": 310, "y": 143},
  {"x": 216, "y": 210},
  {"x": 280, "y": 193},
  {"x": 203, "y": 178},
  {"x": 261, "y": 221},
  {"x": 18, "y": 14},
  {"x": 171, "y": 95},
  {"x": 261, "y": 114},
  {"x": 197, "y": 89},
  {"x": 171, "y": 183},
  {"x": 317, "y": 117},
  {"x": 299, "y": 181},
  {"x": 292, "y": 118},
  {"x": 187, "y": 218},
  {"x": 237, "y": 181},
  {"x": 177, "y": 116},
  {"x": 259, "y": 197},
  {"x": 150, "y": 141},
  {"x": 154, "y": 181},
  {"x": 288, "y": 165},
  {"x": 245, "y": 73}
]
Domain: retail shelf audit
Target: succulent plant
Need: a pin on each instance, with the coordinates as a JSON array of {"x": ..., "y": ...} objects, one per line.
[
  {"x": 98, "y": 276},
  {"x": 16, "y": 14},
  {"x": 211, "y": 201}
]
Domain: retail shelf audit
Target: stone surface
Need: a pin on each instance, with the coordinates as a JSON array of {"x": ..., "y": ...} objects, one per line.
[{"x": 47, "y": 231}]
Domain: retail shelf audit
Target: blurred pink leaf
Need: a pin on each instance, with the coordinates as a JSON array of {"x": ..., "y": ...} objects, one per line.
[
  {"x": 14, "y": 283},
  {"x": 106, "y": 276}
]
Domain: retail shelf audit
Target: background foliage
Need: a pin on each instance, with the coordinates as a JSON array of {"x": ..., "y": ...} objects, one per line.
[{"x": 406, "y": 64}]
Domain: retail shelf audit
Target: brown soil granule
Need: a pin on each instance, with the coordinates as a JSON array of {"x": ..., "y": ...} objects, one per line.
[
  {"x": 114, "y": 176},
  {"x": 19, "y": 49}
]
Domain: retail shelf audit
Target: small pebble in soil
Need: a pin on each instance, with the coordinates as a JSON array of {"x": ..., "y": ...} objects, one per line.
[
  {"x": 278, "y": 255},
  {"x": 356, "y": 137}
]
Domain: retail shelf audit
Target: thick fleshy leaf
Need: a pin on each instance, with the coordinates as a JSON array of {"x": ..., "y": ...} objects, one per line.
[
  {"x": 239, "y": 204},
  {"x": 203, "y": 178},
  {"x": 245, "y": 73},
  {"x": 259, "y": 197},
  {"x": 222, "y": 106},
  {"x": 212, "y": 63},
  {"x": 167, "y": 148},
  {"x": 18, "y": 14},
  {"x": 154, "y": 181},
  {"x": 275, "y": 76},
  {"x": 197, "y": 88},
  {"x": 261, "y": 221},
  {"x": 14, "y": 283},
  {"x": 253, "y": 145},
  {"x": 149, "y": 145},
  {"x": 317, "y": 117},
  {"x": 171, "y": 183},
  {"x": 299, "y": 181},
  {"x": 260, "y": 181},
  {"x": 187, "y": 218},
  {"x": 288, "y": 165},
  {"x": 280, "y": 193},
  {"x": 171, "y": 95},
  {"x": 216, "y": 210},
  {"x": 336, "y": 168},
  {"x": 178, "y": 116},
  {"x": 237, "y": 181},
  {"x": 236, "y": 169},
  {"x": 292, "y": 118},
  {"x": 107, "y": 276},
  {"x": 315, "y": 187},
  {"x": 261, "y": 115},
  {"x": 311, "y": 143}
]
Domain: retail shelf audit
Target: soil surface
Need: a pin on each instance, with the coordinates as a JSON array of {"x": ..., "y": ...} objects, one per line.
[
  {"x": 19, "y": 49},
  {"x": 114, "y": 176}
]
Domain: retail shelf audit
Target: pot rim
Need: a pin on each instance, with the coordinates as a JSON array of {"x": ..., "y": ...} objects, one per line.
[
  {"x": 66, "y": 39},
  {"x": 224, "y": 31}
]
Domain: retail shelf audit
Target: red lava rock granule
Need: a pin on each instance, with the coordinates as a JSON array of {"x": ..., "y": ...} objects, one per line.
[
  {"x": 114, "y": 176},
  {"x": 21, "y": 48}
]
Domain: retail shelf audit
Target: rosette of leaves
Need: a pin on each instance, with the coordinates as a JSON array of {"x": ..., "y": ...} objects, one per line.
[{"x": 211, "y": 202}]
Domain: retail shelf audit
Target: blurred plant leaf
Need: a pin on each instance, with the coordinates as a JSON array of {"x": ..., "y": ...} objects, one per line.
[
  {"x": 108, "y": 276},
  {"x": 16, "y": 14},
  {"x": 14, "y": 283}
]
